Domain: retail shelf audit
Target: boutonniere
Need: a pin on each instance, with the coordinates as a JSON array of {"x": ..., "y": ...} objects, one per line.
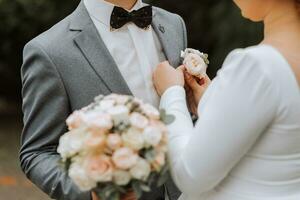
[{"x": 195, "y": 62}]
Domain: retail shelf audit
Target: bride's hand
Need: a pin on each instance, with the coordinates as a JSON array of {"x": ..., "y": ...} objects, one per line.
[
  {"x": 197, "y": 86},
  {"x": 166, "y": 76},
  {"x": 192, "y": 105}
]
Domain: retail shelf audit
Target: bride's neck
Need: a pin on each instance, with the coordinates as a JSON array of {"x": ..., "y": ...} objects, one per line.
[{"x": 282, "y": 23}]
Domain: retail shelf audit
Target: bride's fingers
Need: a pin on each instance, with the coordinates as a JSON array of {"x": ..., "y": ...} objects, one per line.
[
  {"x": 191, "y": 81},
  {"x": 207, "y": 80}
]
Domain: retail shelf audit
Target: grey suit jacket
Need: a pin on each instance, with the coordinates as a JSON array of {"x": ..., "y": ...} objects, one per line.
[{"x": 63, "y": 70}]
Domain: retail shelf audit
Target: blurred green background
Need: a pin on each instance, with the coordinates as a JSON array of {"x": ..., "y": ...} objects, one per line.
[{"x": 214, "y": 26}]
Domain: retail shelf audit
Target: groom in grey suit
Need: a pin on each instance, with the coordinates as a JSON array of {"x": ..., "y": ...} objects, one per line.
[{"x": 71, "y": 63}]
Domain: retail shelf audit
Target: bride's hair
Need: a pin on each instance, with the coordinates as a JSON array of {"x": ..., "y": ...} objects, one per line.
[{"x": 298, "y": 5}]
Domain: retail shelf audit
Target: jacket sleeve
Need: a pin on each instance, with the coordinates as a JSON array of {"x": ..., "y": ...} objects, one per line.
[
  {"x": 45, "y": 108},
  {"x": 185, "y": 39}
]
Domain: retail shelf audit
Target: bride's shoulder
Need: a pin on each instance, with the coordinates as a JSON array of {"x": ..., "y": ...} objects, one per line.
[
  {"x": 258, "y": 53},
  {"x": 260, "y": 58}
]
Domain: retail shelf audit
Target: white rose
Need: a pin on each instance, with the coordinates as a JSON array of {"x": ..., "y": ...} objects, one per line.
[
  {"x": 195, "y": 65},
  {"x": 105, "y": 105},
  {"x": 98, "y": 121},
  {"x": 119, "y": 114},
  {"x": 121, "y": 177},
  {"x": 139, "y": 121},
  {"x": 152, "y": 136},
  {"x": 71, "y": 143},
  {"x": 75, "y": 120},
  {"x": 120, "y": 99},
  {"x": 80, "y": 177},
  {"x": 124, "y": 158},
  {"x": 150, "y": 111},
  {"x": 141, "y": 170},
  {"x": 133, "y": 138}
]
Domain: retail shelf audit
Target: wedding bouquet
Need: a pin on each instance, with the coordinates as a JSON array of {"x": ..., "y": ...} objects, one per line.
[
  {"x": 116, "y": 144},
  {"x": 195, "y": 62}
]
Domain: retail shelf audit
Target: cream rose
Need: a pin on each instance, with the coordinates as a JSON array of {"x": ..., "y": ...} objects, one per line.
[
  {"x": 119, "y": 114},
  {"x": 141, "y": 170},
  {"x": 78, "y": 174},
  {"x": 71, "y": 143},
  {"x": 150, "y": 111},
  {"x": 121, "y": 177},
  {"x": 133, "y": 139},
  {"x": 159, "y": 161},
  {"x": 195, "y": 62},
  {"x": 120, "y": 99},
  {"x": 139, "y": 121},
  {"x": 98, "y": 121},
  {"x": 195, "y": 65},
  {"x": 99, "y": 168},
  {"x": 114, "y": 141},
  {"x": 152, "y": 136},
  {"x": 124, "y": 158},
  {"x": 105, "y": 105}
]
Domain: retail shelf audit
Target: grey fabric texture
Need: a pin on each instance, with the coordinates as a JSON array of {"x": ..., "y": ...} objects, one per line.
[{"x": 63, "y": 70}]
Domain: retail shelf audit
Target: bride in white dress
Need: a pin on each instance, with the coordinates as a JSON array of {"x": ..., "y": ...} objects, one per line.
[{"x": 246, "y": 142}]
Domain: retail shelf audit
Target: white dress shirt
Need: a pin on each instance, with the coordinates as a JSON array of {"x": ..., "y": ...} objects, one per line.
[
  {"x": 246, "y": 143},
  {"x": 136, "y": 51}
]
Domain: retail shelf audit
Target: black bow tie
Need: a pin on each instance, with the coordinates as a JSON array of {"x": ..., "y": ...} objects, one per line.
[{"x": 142, "y": 17}]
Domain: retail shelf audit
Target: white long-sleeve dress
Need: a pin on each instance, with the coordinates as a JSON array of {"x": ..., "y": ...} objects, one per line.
[{"x": 246, "y": 143}]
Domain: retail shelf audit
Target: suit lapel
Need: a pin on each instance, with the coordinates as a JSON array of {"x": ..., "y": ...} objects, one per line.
[
  {"x": 94, "y": 49},
  {"x": 168, "y": 38}
]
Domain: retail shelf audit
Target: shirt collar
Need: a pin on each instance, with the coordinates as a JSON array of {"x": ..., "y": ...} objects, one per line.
[{"x": 101, "y": 10}]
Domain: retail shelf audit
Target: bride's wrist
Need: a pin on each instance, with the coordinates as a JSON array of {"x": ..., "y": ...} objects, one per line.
[{"x": 171, "y": 94}]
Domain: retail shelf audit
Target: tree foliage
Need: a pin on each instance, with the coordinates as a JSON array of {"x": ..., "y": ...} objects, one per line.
[
  {"x": 214, "y": 26},
  {"x": 20, "y": 21}
]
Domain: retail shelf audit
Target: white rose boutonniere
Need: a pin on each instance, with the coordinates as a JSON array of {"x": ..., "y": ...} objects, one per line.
[{"x": 195, "y": 62}]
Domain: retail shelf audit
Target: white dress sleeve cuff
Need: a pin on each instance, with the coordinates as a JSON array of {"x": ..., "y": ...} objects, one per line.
[{"x": 171, "y": 95}]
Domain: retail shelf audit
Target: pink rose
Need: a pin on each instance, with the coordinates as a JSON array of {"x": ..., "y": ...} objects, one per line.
[
  {"x": 124, "y": 158},
  {"x": 99, "y": 168},
  {"x": 95, "y": 141},
  {"x": 114, "y": 141}
]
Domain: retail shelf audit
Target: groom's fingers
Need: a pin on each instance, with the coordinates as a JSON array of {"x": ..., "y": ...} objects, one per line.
[
  {"x": 163, "y": 64},
  {"x": 181, "y": 68}
]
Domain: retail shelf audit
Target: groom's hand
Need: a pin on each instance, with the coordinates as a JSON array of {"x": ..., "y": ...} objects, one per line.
[
  {"x": 166, "y": 76},
  {"x": 128, "y": 196}
]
